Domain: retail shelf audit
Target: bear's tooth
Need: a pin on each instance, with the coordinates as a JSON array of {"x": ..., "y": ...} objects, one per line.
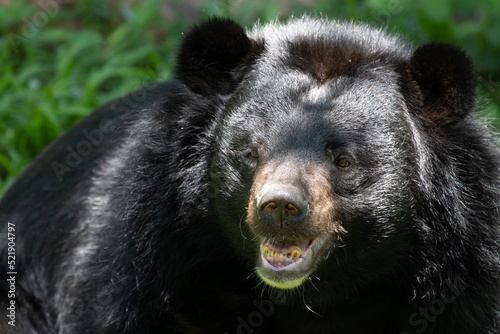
[
  {"x": 267, "y": 251},
  {"x": 295, "y": 253}
]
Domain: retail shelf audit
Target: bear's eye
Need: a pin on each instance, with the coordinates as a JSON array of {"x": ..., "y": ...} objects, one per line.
[
  {"x": 253, "y": 154},
  {"x": 342, "y": 162}
]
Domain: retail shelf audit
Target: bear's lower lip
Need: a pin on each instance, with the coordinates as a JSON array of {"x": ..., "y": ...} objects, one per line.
[{"x": 286, "y": 264}]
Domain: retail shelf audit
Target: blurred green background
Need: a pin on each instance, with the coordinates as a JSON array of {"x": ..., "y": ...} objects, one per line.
[{"x": 61, "y": 59}]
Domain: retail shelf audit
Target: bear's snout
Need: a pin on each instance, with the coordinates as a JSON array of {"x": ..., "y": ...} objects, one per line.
[{"x": 282, "y": 205}]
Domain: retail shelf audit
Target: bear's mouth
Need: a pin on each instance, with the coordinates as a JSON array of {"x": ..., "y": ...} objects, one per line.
[
  {"x": 280, "y": 254},
  {"x": 286, "y": 264}
]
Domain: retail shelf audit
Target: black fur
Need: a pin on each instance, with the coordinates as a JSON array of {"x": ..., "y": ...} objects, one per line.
[{"x": 144, "y": 229}]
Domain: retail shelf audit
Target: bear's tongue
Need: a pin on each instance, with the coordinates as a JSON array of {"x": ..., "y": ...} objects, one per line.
[{"x": 281, "y": 253}]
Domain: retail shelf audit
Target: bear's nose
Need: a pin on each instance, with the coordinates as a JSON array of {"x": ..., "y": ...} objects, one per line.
[{"x": 282, "y": 205}]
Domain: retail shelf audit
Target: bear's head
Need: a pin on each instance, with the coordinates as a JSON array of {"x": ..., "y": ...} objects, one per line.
[{"x": 319, "y": 142}]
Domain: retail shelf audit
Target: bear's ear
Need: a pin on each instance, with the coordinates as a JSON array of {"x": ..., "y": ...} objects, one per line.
[
  {"x": 446, "y": 80},
  {"x": 209, "y": 54}
]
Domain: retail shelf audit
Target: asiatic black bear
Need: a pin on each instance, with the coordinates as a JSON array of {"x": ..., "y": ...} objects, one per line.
[{"x": 304, "y": 177}]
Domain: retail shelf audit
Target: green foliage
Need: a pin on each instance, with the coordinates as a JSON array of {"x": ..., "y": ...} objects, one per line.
[{"x": 60, "y": 61}]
